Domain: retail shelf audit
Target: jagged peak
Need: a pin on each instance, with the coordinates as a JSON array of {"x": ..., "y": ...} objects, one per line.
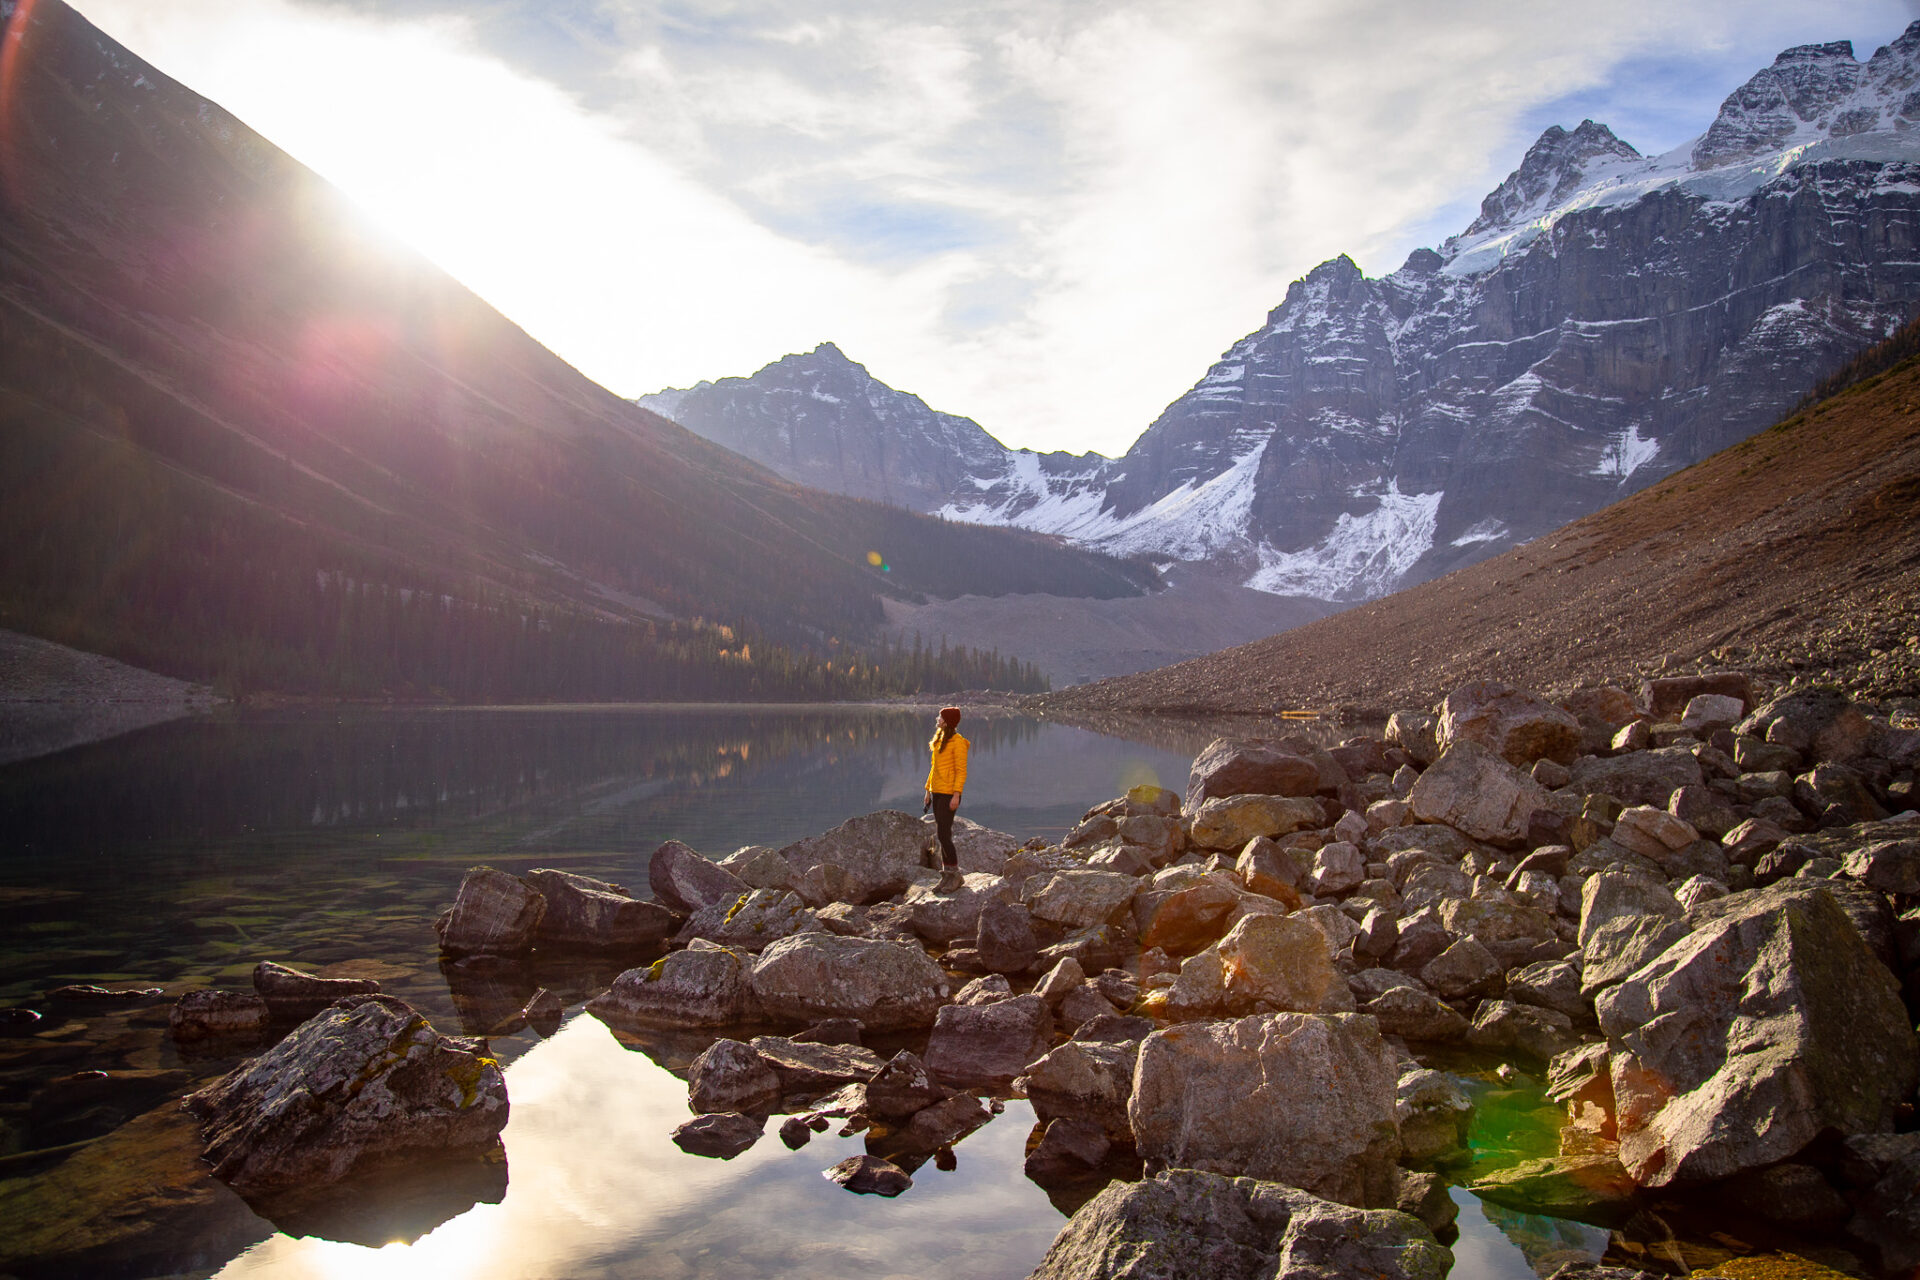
[
  {"x": 1553, "y": 168},
  {"x": 1828, "y": 52},
  {"x": 1801, "y": 88}
]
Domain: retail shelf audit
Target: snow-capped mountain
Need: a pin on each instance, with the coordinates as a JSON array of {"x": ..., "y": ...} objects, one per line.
[
  {"x": 822, "y": 420},
  {"x": 1608, "y": 318}
]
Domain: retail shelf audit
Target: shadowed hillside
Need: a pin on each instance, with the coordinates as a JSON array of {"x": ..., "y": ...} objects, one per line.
[
  {"x": 243, "y": 437},
  {"x": 1796, "y": 552}
]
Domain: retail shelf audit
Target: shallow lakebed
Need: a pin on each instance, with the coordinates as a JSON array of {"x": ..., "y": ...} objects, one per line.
[{"x": 182, "y": 855}]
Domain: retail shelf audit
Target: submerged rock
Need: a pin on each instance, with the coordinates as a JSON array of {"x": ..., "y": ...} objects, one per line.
[
  {"x": 293, "y": 996},
  {"x": 208, "y": 1014},
  {"x": 348, "y": 1093},
  {"x": 869, "y": 1175}
]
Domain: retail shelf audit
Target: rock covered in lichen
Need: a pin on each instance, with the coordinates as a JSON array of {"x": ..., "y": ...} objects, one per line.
[{"x": 351, "y": 1092}]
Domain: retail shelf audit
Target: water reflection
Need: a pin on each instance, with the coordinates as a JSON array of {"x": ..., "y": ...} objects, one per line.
[{"x": 599, "y": 1190}]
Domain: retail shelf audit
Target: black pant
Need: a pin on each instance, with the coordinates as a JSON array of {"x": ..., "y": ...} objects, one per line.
[{"x": 943, "y": 827}]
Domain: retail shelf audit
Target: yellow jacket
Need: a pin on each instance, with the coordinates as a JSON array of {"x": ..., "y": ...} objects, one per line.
[{"x": 948, "y": 774}]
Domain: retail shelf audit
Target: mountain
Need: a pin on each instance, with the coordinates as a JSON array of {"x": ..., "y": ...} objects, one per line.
[
  {"x": 1607, "y": 319},
  {"x": 244, "y": 437},
  {"x": 1793, "y": 553}
]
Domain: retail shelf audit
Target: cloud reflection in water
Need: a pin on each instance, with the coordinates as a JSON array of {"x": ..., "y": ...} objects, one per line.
[{"x": 597, "y": 1189}]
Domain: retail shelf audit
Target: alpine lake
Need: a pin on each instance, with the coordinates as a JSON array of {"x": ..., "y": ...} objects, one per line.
[{"x": 181, "y": 855}]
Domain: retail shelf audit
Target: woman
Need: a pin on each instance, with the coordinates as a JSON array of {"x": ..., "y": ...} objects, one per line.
[{"x": 946, "y": 779}]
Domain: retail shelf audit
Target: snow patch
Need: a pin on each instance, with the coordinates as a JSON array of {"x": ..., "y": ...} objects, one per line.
[
  {"x": 1625, "y": 454},
  {"x": 1364, "y": 556},
  {"x": 1492, "y": 529}
]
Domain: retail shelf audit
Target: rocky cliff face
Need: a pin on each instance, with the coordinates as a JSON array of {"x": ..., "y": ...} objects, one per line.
[
  {"x": 1607, "y": 319},
  {"x": 822, "y": 420}
]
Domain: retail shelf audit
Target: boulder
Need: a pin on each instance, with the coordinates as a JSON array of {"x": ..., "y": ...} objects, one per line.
[
  {"x": 1069, "y": 1148},
  {"x": 1266, "y": 868},
  {"x": 1652, "y": 833},
  {"x": 1838, "y": 795},
  {"x": 1277, "y": 964},
  {"x": 1707, "y": 712},
  {"x": 1550, "y": 984},
  {"x": 1004, "y": 936},
  {"x": 684, "y": 882},
  {"x": 1623, "y": 946},
  {"x": 1666, "y": 697},
  {"x": 1430, "y": 884},
  {"x": 725, "y": 1134},
  {"x": 1537, "y": 1033},
  {"x": 1440, "y": 842},
  {"x": 1464, "y": 969},
  {"x": 1080, "y": 899},
  {"x": 703, "y": 986},
  {"x": 732, "y": 1076},
  {"x": 1495, "y": 923},
  {"x": 493, "y": 914},
  {"x": 1473, "y": 790},
  {"x": 1639, "y": 777},
  {"x": 1417, "y": 734},
  {"x": 587, "y": 913},
  {"x": 1228, "y": 822},
  {"x": 878, "y": 854},
  {"x": 1887, "y": 1215},
  {"x": 1087, "y": 1080},
  {"x": 752, "y": 921},
  {"x": 809, "y": 1068},
  {"x": 1821, "y": 723},
  {"x": 759, "y": 866},
  {"x": 1413, "y": 1013},
  {"x": 946, "y": 918},
  {"x": 211, "y": 1015},
  {"x": 869, "y": 1175},
  {"x": 1434, "y": 1113},
  {"x": 1186, "y": 1224},
  {"x": 351, "y": 1092},
  {"x": 1230, "y": 767},
  {"x": 1513, "y": 724},
  {"x": 1612, "y": 894},
  {"x": 984, "y": 990},
  {"x": 1185, "y": 919},
  {"x": 1751, "y": 840},
  {"x": 294, "y": 996},
  {"x": 1890, "y": 862},
  {"x": 1299, "y": 1098},
  {"x": 1771, "y": 1023},
  {"x": 931, "y": 1128},
  {"x": 901, "y": 1087},
  {"x": 988, "y": 1045},
  {"x": 981, "y": 849},
  {"x": 887, "y": 985},
  {"x": 1338, "y": 868}
]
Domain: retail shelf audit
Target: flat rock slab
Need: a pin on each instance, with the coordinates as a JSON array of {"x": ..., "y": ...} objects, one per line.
[{"x": 724, "y": 1135}]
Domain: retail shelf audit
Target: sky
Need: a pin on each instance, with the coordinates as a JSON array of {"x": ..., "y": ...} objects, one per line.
[{"x": 1047, "y": 215}]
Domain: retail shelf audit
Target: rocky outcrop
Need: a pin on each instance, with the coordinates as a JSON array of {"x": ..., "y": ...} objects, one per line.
[
  {"x": 1769, "y": 1024},
  {"x": 349, "y": 1093},
  {"x": 878, "y": 853}
]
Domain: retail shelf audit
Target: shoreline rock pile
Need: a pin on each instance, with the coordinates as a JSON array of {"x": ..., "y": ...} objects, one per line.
[{"x": 1694, "y": 910}]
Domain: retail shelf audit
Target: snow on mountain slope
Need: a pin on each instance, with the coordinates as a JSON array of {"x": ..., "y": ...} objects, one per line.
[{"x": 1606, "y": 319}]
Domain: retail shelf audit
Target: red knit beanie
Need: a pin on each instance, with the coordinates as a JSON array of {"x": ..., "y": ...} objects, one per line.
[{"x": 950, "y": 717}]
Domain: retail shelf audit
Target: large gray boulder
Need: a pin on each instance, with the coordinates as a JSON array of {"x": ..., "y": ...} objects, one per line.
[
  {"x": 753, "y": 921},
  {"x": 684, "y": 882},
  {"x": 1515, "y": 725},
  {"x": 1277, "y": 964},
  {"x": 1303, "y": 1099},
  {"x": 1821, "y": 723},
  {"x": 1085, "y": 1079},
  {"x": 1471, "y": 789},
  {"x": 988, "y": 1045},
  {"x": 1226, "y": 823},
  {"x": 1186, "y": 1224},
  {"x": 879, "y": 852},
  {"x": 731, "y": 1076},
  {"x": 1080, "y": 899},
  {"x": 946, "y": 918},
  {"x": 493, "y": 914},
  {"x": 704, "y": 986},
  {"x": 592, "y": 914},
  {"x": 1235, "y": 767},
  {"x": 1639, "y": 777},
  {"x": 813, "y": 976},
  {"x": 350, "y": 1092},
  {"x": 1771, "y": 1023}
]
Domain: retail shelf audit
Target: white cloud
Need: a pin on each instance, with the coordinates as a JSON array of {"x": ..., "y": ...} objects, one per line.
[{"x": 1050, "y": 215}]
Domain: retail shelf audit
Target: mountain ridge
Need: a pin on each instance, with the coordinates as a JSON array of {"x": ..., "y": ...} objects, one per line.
[{"x": 1606, "y": 319}]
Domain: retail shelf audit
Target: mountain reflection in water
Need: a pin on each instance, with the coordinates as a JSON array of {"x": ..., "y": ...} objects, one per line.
[{"x": 598, "y": 1189}]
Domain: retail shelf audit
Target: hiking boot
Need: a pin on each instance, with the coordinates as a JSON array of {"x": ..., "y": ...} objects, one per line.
[{"x": 949, "y": 880}]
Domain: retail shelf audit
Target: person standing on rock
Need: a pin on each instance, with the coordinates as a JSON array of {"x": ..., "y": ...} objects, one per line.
[{"x": 946, "y": 779}]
